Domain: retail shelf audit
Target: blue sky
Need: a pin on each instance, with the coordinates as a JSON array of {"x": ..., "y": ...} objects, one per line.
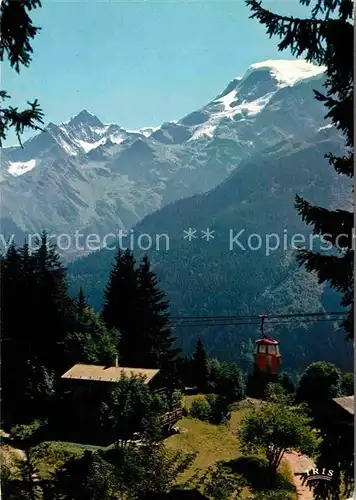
[{"x": 139, "y": 63}]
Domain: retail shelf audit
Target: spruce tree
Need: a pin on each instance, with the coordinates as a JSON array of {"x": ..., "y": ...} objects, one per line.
[
  {"x": 14, "y": 334},
  {"x": 200, "y": 367},
  {"x": 52, "y": 304},
  {"x": 155, "y": 348},
  {"x": 80, "y": 302},
  {"x": 326, "y": 38},
  {"x": 120, "y": 310},
  {"x": 17, "y": 34},
  {"x": 35, "y": 319},
  {"x": 18, "y": 321}
]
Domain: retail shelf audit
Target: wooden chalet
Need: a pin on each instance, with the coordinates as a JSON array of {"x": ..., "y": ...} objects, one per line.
[
  {"x": 342, "y": 410},
  {"x": 90, "y": 384},
  {"x": 336, "y": 412},
  {"x": 97, "y": 373},
  {"x": 341, "y": 418}
]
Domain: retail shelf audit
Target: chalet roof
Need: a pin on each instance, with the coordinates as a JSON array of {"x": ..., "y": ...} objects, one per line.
[
  {"x": 107, "y": 373},
  {"x": 347, "y": 403}
]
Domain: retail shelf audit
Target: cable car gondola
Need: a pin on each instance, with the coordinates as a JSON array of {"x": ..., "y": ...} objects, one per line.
[{"x": 267, "y": 355}]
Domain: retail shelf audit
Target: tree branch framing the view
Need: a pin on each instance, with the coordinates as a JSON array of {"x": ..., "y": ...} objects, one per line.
[
  {"x": 17, "y": 34},
  {"x": 326, "y": 41}
]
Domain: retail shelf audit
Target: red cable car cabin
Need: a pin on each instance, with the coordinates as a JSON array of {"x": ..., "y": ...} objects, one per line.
[{"x": 267, "y": 355}]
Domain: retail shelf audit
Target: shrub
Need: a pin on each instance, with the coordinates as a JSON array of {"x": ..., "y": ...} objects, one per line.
[
  {"x": 201, "y": 409},
  {"x": 220, "y": 413},
  {"x": 276, "y": 393},
  {"x": 220, "y": 483},
  {"x": 211, "y": 408}
]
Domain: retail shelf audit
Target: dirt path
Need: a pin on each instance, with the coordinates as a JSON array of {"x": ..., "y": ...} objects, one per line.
[{"x": 298, "y": 464}]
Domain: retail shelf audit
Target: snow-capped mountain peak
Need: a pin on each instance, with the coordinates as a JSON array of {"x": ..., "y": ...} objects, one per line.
[
  {"x": 251, "y": 94},
  {"x": 286, "y": 72},
  {"x": 85, "y": 132},
  {"x": 85, "y": 118},
  {"x": 99, "y": 177},
  {"x": 266, "y": 78}
]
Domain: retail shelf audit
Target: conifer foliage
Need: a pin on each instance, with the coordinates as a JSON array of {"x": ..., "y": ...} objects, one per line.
[
  {"x": 43, "y": 330},
  {"x": 17, "y": 34},
  {"x": 200, "y": 366},
  {"x": 326, "y": 38},
  {"x": 120, "y": 309},
  {"x": 157, "y": 351},
  {"x": 137, "y": 309},
  {"x": 34, "y": 321},
  {"x": 80, "y": 303},
  {"x": 92, "y": 342}
]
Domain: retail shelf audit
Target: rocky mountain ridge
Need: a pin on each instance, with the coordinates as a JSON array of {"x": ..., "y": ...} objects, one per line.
[{"x": 87, "y": 177}]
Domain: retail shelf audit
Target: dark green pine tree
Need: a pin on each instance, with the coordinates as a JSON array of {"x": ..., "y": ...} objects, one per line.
[
  {"x": 18, "y": 320},
  {"x": 14, "y": 335},
  {"x": 17, "y": 34},
  {"x": 120, "y": 310},
  {"x": 80, "y": 302},
  {"x": 326, "y": 38},
  {"x": 200, "y": 367},
  {"x": 52, "y": 305},
  {"x": 155, "y": 348},
  {"x": 34, "y": 314}
]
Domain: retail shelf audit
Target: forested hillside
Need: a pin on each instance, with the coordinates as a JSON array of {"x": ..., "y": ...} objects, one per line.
[{"x": 218, "y": 277}]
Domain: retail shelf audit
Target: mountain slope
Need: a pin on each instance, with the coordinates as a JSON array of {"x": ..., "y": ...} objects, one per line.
[
  {"x": 86, "y": 177},
  {"x": 225, "y": 276}
]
